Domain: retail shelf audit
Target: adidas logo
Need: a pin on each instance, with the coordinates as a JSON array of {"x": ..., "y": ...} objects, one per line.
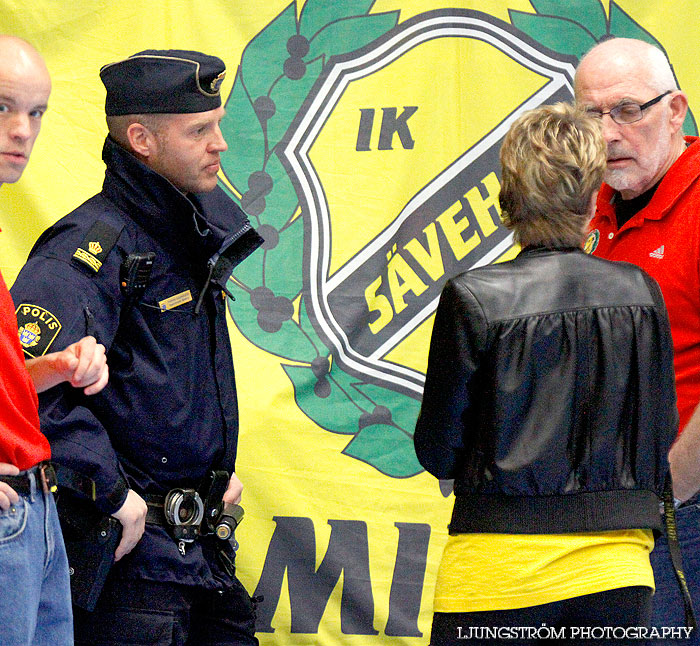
[{"x": 658, "y": 253}]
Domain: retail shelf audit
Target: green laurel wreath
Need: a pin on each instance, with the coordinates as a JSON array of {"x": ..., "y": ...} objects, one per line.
[
  {"x": 574, "y": 27},
  {"x": 277, "y": 71}
]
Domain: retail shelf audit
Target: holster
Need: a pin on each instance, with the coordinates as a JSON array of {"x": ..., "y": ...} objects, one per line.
[{"x": 91, "y": 538}]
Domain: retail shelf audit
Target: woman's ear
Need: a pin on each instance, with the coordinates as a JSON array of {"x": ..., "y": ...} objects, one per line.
[{"x": 592, "y": 205}]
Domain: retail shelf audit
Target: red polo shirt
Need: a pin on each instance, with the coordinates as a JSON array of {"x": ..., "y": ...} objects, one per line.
[
  {"x": 21, "y": 441},
  {"x": 664, "y": 240}
]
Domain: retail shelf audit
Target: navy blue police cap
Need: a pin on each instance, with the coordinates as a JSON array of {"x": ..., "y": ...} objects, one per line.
[{"x": 166, "y": 81}]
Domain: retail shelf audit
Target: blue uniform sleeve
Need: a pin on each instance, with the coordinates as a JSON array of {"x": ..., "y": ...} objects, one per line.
[
  {"x": 459, "y": 333},
  {"x": 58, "y": 303}
]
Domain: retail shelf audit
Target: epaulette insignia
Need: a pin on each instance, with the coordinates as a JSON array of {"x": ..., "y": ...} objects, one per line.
[
  {"x": 38, "y": 329},
  {"x": 98, "y": 242}
]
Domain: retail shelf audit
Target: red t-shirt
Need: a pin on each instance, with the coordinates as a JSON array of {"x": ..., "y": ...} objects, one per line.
[
  {"x": 21, "y": 441},
  {"x": 664, "y": 240}
]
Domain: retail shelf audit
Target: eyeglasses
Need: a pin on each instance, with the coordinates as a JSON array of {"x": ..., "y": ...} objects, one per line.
[{"x": 628, "y": 112}]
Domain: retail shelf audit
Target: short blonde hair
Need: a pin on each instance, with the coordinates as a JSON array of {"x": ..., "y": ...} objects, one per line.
[
  {"x": 118, "y": 126},
  {"x": 552, "y": 161}
]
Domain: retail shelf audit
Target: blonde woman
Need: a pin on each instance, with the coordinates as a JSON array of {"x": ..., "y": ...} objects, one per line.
[{"x": 549, "y": 398}]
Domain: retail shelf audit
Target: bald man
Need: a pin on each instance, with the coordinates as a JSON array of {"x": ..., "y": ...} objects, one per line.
[
  {"x": 35, "y": 608},
  {"x": 647, "y": 214}
]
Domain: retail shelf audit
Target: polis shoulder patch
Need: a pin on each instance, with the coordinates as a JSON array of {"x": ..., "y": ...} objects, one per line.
[
  {"x": 592, "y": 241},
  {"x": 38, "y": 329},
  {"x": 96, "y": 245}
]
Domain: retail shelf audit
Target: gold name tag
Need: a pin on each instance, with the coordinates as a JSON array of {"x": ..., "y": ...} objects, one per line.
[{"x": 175, "y": 301}]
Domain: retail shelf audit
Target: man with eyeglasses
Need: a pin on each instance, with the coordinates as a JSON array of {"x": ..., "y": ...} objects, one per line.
[{"x": 647, "y": 214}]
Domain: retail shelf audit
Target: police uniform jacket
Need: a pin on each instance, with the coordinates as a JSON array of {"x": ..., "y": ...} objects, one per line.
[
  {"x": 549, "y": 396},
  {"x": 169, "y": 413}
]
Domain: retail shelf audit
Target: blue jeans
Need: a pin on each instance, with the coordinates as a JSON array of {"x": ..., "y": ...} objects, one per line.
[
  {"x": 35, "y": 607},
  {"x": 667, "y": 604}
]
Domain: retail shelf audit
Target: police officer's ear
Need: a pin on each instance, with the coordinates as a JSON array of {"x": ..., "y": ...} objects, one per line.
[{"x": 142, "y": 140}]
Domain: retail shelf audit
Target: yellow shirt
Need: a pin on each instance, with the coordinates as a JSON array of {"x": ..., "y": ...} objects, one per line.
[{"x": 507, "y": 571}]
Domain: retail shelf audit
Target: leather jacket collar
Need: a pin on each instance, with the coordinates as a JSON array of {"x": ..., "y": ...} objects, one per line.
[{"x": 534, "y": 250}]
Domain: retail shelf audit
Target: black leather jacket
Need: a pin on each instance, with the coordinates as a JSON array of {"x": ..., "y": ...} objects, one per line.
[{"x": 549, "y": 395}]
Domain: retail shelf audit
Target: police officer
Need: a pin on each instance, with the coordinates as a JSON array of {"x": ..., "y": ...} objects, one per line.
[{"x": 142, "y": 266}]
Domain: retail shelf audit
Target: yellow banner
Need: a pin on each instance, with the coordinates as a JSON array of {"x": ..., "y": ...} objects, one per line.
[{"x": 363, "y": 144}]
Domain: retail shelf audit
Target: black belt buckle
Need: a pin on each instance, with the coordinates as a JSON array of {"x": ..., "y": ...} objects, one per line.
[{"x": 47, "y": 475}]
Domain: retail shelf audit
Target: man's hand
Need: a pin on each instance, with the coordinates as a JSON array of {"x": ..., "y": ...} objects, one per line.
[
  {"x": 82, "y": 363},
  {"x": 233, "y": 492},
  {"x": 683, "y": 459},
  {"x": 8, "y": 496},
  {"x": 132, "y": 516}
]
